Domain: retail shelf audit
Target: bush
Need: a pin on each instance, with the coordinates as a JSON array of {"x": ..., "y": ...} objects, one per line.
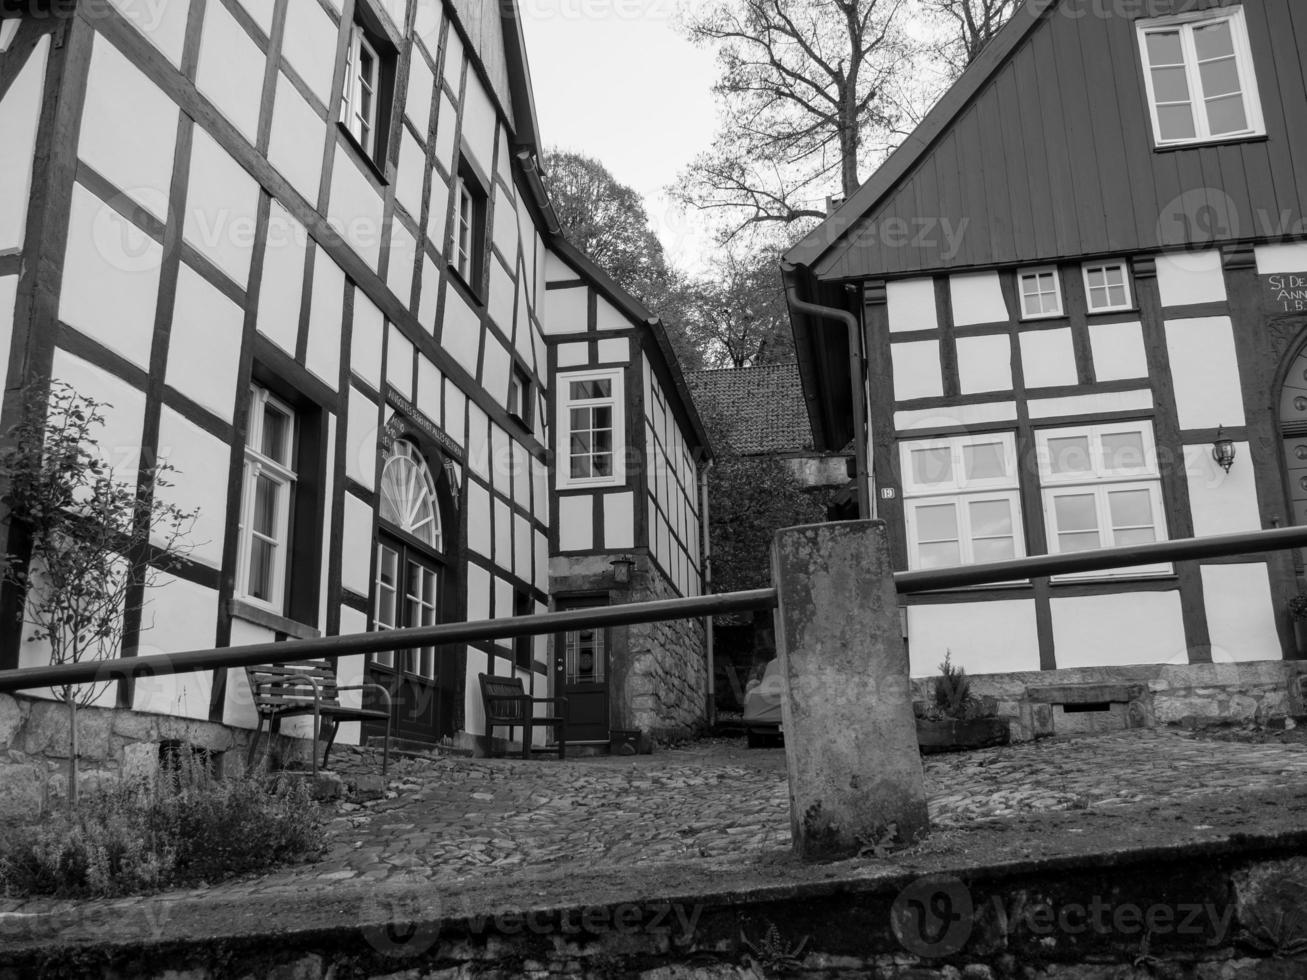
[
  {"x": 953, "y": 691},
  {"x": 183, "y": 828}
]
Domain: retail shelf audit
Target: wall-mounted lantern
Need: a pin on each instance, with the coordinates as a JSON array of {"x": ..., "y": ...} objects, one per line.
[
  {"x": 1223, "y": 450},
  {"x": 622, "y": 569}
]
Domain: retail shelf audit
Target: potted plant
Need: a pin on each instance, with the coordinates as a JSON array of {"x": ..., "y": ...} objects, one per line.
[
  {"x": 1297, "y": 607},
  {"x": 955, "y": 719}
]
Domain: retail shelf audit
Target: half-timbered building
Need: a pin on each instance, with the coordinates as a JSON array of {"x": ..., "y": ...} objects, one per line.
[
  {"x": 305, "y": 251},
  {"x": 1078, "y": 293}
]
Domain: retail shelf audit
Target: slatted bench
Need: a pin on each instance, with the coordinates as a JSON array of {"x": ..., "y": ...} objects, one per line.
[
  {"x": 309, "y": 687},
  {"x": 507, "y": 703}
]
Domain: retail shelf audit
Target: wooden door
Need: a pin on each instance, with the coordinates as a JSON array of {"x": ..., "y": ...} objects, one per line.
[{"x": 581, "y": 672}]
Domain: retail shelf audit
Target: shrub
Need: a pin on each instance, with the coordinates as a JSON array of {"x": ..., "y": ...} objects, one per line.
[
  {"x": 953, "y": 697},
  {"x": 185, "y": 827}
]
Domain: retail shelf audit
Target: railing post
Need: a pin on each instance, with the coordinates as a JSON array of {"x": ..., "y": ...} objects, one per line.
[{"x": 850, "y": 737}]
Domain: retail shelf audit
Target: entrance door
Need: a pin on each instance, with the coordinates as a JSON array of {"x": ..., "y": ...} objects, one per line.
[
  {"x": 581, "y": 676},
  {"x": 408, "y": 590}
]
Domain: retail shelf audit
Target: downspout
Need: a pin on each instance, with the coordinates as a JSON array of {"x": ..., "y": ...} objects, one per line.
[
  {"x": 705, "y": 526},
  {"x": 858, "y": 396}
]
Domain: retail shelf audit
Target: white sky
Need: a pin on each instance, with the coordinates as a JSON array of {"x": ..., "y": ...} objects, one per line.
[{"x": 614, "y": 79}]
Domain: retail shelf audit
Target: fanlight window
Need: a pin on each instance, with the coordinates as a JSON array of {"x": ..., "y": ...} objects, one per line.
[{"x": 408, "y": 495}]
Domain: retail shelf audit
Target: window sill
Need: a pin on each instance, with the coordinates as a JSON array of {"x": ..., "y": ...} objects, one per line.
[
  {"x": 362, "y": 154},
  {"x": 1217, "y": 141},
  {"x": 259, "y": 616}
]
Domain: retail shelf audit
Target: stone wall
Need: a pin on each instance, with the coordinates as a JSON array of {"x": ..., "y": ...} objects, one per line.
[{"x": 112, "y": 743}]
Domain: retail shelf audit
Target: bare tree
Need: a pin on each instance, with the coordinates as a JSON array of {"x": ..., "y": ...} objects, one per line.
[
  {"x": 972, "y": 24},
  {"x": 97, "y": 545},
  {"x": 805, "y": 85},
  {"x": 738, "y": 310}
]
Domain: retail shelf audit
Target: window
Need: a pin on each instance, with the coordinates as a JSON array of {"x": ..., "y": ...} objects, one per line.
[
  {"x": 470, "y": 229},
  {"x": 1199, "y": 76},
  {"x": 960, "y": 497},
  {"x": 408, "y": 495},
  {"x": 520, "y": 396},
  {"x": 270, "y": 447},
  {"x": 1107, "y": 287},
  {"x": 1041, "y": 293},
  {"x": 1102, "y": 489},
  {"x": 590, "y": 422},
  {"x": 369, "y": 81}
]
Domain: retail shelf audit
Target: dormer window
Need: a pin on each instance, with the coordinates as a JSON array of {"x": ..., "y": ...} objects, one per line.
[
  {"x": 368, "y": 92},
  {"x": 1200, "y": 80}
]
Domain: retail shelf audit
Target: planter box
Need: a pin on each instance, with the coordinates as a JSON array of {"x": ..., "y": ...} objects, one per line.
[{"x": 948, "y": 735}]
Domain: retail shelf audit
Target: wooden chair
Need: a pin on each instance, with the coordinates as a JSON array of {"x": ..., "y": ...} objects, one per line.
[
  {"x": 507, "y": 703},
  {"x": 309, "y": 687}
]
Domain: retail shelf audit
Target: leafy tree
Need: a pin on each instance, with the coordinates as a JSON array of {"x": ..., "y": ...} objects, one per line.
[
  {"x": 96, "y": 545},
  {"x": 805, "y": 85},
  {"x": 739, "y": 311},
  {"x": 971, "y": 24}
]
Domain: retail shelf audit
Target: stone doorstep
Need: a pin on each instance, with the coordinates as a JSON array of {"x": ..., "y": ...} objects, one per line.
[{"x": 1086, "y": 693}]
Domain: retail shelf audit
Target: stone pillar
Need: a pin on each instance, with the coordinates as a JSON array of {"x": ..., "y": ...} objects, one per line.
[{"x": 850, "y": 737}]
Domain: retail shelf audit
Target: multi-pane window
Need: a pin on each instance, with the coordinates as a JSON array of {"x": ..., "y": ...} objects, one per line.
[
  {"x": 520, "y": 396},
  {"x": 1041, "y": 293},
  {"x": 362, "y": 90},
  {"x": 961, "y": 502},
  {"x": 1107, "y": 287},
  {"x": 591, "y": 421},
  {"x": 1101, "y": 489},
  {"x": 408, "y": 495},
  {"x": 1200, "y": 79},
  {"x": 469, "y": 227},
  {"x": 266, "y": 502},
  {"x": 584, "y": 657}
]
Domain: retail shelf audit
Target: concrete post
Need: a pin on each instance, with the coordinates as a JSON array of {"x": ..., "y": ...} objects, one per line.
[{"x": 850, "y": 737}]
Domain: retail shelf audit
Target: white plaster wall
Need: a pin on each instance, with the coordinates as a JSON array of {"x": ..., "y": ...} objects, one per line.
[
  {"x": 478, "y": 519},
  {"x": 1118, "y": 401},
  {"x": 238, "y": 704},
  {"x": 479, "y": 590},
  {"x": 977, "y": 298},
  {"x": 503, "y": 543},
  {"x": 461, "y": 332},
  {"x": 455, "y": 414},
  {"x": 619, "y": 520},
  {"x": 614, "y": 351},
  {"x": 366, "y": 347},
  {"x": 576, "y": 523},
  {"x": 1205, "y": 372},
  {"x": 1240, "y": 613},
  {"x": 478, "y": 441},
  {"x": 1184, "y": 278},
  {"x": 331, "y": 424},
  {"x": 479, "y": 122},
  {"x": 399, "y": 271},
  {"x": 220, "y": 208},
  {"x": 437, "y": 210},
  {"x": 111, "y": 278},
  {"x": 445, "y": 124},
  {"x": 309, "y": 44},
  {"x": 430, "y": 383},
  {"x": 20, "y": 113},
  {"x": 522, "y": 564},
  {"x": 473, "y": 711},
  {"x": 453, "y": 59},
  {"x": 917, "y": 372},
  {"x": 204, "y": 344},
  {"x": 355, "y": 208},
  {"x": 399, "y": 362},
  {"x": 410, "y": 174},
  {"x": 361, "y": 439},
  {"x": 1118, "y": 351},
  {"x": 1048, "y": 358},
  {"x": 502, "y": 294},
  {"x": 911, "y": 305},
  {"x": 1116, "y": 630},
  {"x": 356, "y": 546},
  {"x": 541, "y": 561},
  {"x": 164, "y": 24},
  {"x": 573, "y": 355},
  {"x": 494, "y": 369},
  {"x": 202, "y": 464},
  {"x": 984, "y": 364},
  {"x": 565, "y": 310},
  {"x": 129, "y": 129},
  {"x": 429, "y": 298},
  {"x": 349, "y": 673},
  {"x": 261, "y": 11},
  {"x": 1274, "y": 259},
  {"x": 230, "y": 72},
  {"x": 326, "y": 320},
  {"x": 179, "y": 616},
  {"x": 283, "y": 279},
  {"x": 421, "y": 85},
  {"x": 123, "y": 411},
  {"x": 609, "y": 317},
  {"x": 504, "y": 233},
  {"x": 1221, "y": 503},
  {"x": 296, "y": 140}
]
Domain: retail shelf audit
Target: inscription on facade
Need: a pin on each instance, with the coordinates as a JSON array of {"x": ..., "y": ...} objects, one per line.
[
  {"x": 1286, "y": 292},
  {"x": 409, "y": 416}
]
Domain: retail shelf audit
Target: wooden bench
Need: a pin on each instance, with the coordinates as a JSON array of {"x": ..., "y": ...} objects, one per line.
[
  {"x": 309, "y": 687},
  {"x": 507, "y": 703}
]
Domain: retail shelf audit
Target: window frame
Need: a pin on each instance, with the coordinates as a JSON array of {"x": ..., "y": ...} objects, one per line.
[
  {"x": 468, "y": 245},
  {"x": 1121, "y": 264},
  {"x": 1035, "y": 272},
  {"x": 351, "y": 109},
  {"x": 563, "y": 427},
  {"x": 1099, "y": 481},
  {"x": 1185, "y": 25},
  {"x": 284, "y": 474},
  {"x": 521, "y": 396}
]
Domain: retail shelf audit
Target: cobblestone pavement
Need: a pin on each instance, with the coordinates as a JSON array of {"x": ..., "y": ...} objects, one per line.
[{"x": 460, "y": 819}]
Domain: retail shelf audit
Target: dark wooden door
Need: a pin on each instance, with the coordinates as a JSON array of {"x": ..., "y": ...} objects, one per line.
[
  {"x": 581, "y": 672},
  {"x": 407, "y": 594}
]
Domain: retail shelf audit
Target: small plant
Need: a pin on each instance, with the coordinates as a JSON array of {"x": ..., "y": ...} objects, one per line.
[
  {"x": 953, "y": 697},
  {"x": 1297, "y": 606}
]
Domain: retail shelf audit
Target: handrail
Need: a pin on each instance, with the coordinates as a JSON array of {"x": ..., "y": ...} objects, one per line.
[{"x": 154, "y": 665}]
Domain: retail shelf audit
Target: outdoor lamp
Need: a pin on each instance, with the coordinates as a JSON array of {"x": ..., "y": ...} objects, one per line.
[
  {"x": 1223, "y": 450},
  {"x": 622, "y": 569}
]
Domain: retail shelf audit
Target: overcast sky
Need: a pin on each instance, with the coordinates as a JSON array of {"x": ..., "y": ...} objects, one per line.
[{"x": 615, "y": 80}]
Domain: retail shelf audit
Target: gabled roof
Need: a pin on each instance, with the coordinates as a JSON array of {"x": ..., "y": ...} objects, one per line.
[{"x": 763, "y": 405}]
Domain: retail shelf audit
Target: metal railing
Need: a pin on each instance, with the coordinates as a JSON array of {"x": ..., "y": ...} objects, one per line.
[{"x": 155, "y": 665}]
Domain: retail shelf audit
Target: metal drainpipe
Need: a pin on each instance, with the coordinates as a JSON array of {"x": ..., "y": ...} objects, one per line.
[
  {"x": 706, "y": 527},
  {"x": 858, "y": 395}
]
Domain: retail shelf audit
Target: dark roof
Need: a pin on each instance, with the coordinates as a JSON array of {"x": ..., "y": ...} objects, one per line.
[{"x": 764, "y": 403}]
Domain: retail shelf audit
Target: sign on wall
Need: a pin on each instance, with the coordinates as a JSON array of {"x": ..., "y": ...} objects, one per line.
[{"x": 1285, "y": 292}]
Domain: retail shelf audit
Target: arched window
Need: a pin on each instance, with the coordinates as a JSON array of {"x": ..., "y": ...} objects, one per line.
[{"x": 408, "y": 495}]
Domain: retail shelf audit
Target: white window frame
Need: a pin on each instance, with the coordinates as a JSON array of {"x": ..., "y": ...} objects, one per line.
[
  {"x": 354, "y": 94},
  {"x": 465, "y": 230},
  {"x": 1035, "y": 273},
  {"x": 281, "y": 473},
  {"x": 1106, "y": 267},
  {"x": 1099, "y": 481},
  {"x": 961, "y": 492},
  {"x": 563, "y": 427},
  {"x": 1186, "y": 24}
]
